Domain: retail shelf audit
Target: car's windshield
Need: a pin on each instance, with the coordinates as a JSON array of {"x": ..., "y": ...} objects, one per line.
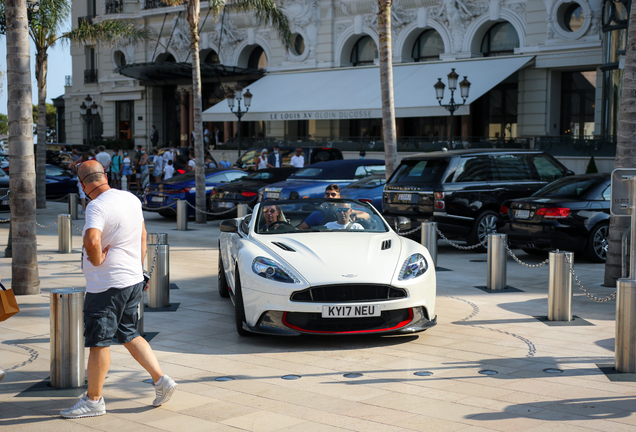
[
  {"x": 317, "y": 215},
  {"x": 567, "y": 187},
  {"x": 419, "y": 171}
]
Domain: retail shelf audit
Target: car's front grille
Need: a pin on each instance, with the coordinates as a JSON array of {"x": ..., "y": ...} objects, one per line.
[
  {"x": 348, "y": 293},
  {"x": 315, "y": 323}
]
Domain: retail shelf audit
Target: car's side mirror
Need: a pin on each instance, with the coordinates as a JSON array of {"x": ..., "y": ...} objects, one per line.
[
  {"x": 569, "y": 173},
  {"x": 229, "y": 226}
]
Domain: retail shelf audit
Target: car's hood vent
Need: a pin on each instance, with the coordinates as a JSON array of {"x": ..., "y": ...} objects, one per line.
[
  {"x": 386, "y": 244},
  {"x": 283, "y": 246}
]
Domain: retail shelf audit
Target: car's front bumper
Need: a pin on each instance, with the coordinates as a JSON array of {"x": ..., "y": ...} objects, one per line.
[{"x": 278, "y": 323}]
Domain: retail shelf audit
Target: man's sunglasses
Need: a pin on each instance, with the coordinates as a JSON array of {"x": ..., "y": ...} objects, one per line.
[
  {"x": 331, "y": 194},
  {"x": 342, "y": 210},
  {"x": 270, "y": 211}
]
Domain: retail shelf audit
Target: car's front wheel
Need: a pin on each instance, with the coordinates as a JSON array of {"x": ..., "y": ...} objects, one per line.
[
  {"x": 485, "y": 224},
  {"x": 239, "y": 308},
  {"x": 597, "y": 243},
  {"x": 222, "y": 280}
]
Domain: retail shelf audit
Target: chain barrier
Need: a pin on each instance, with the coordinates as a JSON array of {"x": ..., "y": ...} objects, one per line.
[
  {"x": 45, "y": 226},
  {"x": 212, "y": 213},
  {"x": 75, "y": 226},
  {"x": 405, "y": 233},
  {"x": 514, "y": 257},
  {"x": 455, "y": 245},
  {"x": 144, "y": 207},
  {"x": 578, "y": 282},
  {"x": 5, "y": 220},
  {"x": 64, "y": 198},
  {"x": 154, "y": 261}
]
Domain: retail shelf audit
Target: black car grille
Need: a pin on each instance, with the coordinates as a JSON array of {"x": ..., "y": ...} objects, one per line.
[
  {"x": 348, "y": 293},
  {"x": 315, "y": 323}
]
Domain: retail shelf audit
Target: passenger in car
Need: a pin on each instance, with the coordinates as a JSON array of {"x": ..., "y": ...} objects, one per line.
[
  {"x": 343, "y": 212},
  {"x": 319, "y": 217}
]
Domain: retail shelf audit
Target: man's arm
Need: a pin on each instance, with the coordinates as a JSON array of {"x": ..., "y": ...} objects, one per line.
[
  {"x": 93, "y": 246},
  {"x": 144, "y": 246}
]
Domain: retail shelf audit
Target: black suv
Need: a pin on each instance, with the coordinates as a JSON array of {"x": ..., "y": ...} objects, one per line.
[{"x": 462, "y": 190}]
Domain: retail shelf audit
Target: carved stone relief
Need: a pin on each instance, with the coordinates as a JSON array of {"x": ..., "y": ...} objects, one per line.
[{"x": 304, "y": 18}]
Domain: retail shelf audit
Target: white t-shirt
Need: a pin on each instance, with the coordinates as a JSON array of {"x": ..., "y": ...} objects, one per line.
[
  {"x": 335, "y": 225},
  {"x": 168, "y": 170},
  {"x": 104, "y": 159},
  {"x": 192, "y": 163},
  {"x": 168, "y": 156},
  {"x": 117, "y": 214},
  {"x": 262, "y": 162},
  {"x": 297, "y": 161}
]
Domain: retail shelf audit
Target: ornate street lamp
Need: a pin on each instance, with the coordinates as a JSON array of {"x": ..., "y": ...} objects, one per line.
[
  {"x": 238, "y": 96},
  {"x": 88, "y": 110},
  {"x": 452, "y": 106}
]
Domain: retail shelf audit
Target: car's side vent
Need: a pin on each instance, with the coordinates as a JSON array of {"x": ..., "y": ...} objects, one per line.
[
  {"x": 386, "y": 244},
  {"x": 283, "y": 246}
]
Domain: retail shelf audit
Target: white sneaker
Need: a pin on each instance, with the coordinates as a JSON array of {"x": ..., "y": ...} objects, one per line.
[
  {"x": 2, "y": 374},
  {"x": 85, "y": 408},
  {"x": 164, "y": 390}
]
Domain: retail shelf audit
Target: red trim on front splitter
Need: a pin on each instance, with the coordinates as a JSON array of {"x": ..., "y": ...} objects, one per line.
[{"x": 400, "y": 324}]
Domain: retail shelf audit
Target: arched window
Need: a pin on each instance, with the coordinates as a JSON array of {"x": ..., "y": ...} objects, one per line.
[
  {"x": 428, "y": 46},
  {"x": 211, "y": 58},
  {"x": 364, "y": 52},
  {"x": 166, "y": 58},
  {"x": 258, "y": 59},
  {"x": 120, "y": 59},
  {"x": 500, "y": 39}
]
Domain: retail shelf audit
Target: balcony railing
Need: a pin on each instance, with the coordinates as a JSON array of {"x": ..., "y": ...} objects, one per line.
[
  {"x": 557, "y": 146},
  {"x": 154, "y": 4},
  {"x": 114, "y": 6},
  {"x": 88, "y": 19},
  {"x": 68, "y": 80},
  {"x": 90, "y": 76}
]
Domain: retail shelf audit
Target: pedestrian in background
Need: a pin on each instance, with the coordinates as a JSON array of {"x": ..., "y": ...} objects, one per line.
[
  {"x": 145, "y": 172},
  {"x": 115, "y": 170},
  {"x": 275, "y": 160},
  {"x": 103, "y": 158},
  {"x": 137, "y": 168},
  {"x": 262, "y": 160},
  {"x": 168, "y": 170},
  {"x": 224, "y": 162},
  {"x": 191, "y": 162},
  {"x": 298, "y": 160},
  {"x": 126, "y": 169},
  {"x": 154, "y": 136},
  {"x": 157, "y": 165},
  {"x": 114, "y": 239}
]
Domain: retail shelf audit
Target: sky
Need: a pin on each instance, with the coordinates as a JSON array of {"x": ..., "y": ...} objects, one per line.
[{"x": 59, "y": 66}]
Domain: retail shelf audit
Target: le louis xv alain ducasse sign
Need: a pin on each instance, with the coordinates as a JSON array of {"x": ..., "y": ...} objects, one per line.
[{"x": 324, "y": 115}]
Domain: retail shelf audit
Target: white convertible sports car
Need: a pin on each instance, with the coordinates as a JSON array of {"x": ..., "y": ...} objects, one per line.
[{"x": 321, "y": 266}]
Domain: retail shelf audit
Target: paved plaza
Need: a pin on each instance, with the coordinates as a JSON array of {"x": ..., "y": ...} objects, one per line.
[{"x": 197, "y": 343}]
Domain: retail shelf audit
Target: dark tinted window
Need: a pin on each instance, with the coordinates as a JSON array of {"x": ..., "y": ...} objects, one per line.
[
  {"x": 472, "y": 169},
  {"x": 569, "y": 187},
  {"x": 548, "y": 170},
  {"x": 322, "y": 155},
  {"x": 419, "y": 172},
  {"x": 369, "y": 182},
  {"x": 606, "y": 193},
  {"x": 512, "y": 167}
]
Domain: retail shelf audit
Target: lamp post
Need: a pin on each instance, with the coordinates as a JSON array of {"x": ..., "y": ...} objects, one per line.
[
  {"x": 237, "y": 96},
  {"x": 452, "y": 106},
  {"x": 88, "y": 110}
]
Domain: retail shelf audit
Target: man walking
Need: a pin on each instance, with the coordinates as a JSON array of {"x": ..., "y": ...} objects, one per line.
[
  {"x": 154, "y": 136},
  {"x": 104, "y": 158},
  {"x": 274, "y": 160},
  {"x": 114, "y": 248}
]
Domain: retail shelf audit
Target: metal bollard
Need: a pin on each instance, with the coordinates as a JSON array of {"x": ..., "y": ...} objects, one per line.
[
  {"x": 242, "y": 210},
  {"x": 64, "y": 233},
  {"x": 182, "y": 215},
  {"x": 560, "y": 287},
  {"x": 497, "y": 267},
  {"x": 157, "y": 238},
  {"x": 625, "y": 349},
  {"x": 124, "y": 182},
  {"x": 159, "y": 284},
  {"x": 429, "y": 240},
  {"x": 67, "y": 340},
  {"x": 72, "y": 205}
]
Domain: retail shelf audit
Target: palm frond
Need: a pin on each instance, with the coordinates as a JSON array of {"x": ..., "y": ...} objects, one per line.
[
  {"x": 53, "y": 15},
  {"x": 107, "y": 32}
]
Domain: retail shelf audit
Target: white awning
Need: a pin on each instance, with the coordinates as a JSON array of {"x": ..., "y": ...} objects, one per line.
[{"x": 354, "y": 93}]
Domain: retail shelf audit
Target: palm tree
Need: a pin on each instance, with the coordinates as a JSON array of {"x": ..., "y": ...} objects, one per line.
[
  {"x": 24, "y": 263},
  {"x": 265, "y": 10},
  {"x": 625, "y": 152},
  {"x": 385, "y": 53},
  {"x": 45, "y": 30}
]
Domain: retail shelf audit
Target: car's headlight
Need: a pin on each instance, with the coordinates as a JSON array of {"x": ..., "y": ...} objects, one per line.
[
  {"x": 413, "y": 267},
  {"x": 270, "y": 269}
]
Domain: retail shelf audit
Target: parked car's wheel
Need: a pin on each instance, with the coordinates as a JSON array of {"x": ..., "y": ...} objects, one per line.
[
  {"x": 239, "y": 309},
  {"x": 486, "y": 223},
  {"x": 222, "y": 280},
  {"x": 597, "y": 243}
]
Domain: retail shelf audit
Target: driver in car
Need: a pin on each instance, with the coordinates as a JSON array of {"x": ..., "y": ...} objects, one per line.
[
  {"x": 343, "y": 213},
  {"x": 271, "y": 218}
]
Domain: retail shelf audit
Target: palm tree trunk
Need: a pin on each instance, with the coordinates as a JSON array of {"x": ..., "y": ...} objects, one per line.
[
  {"x": 386, "y": 83},
  {"x": 41, "y": 70},
  {"x": 625, "y": 152},
  {"x": 24, "y": 264},
  {"x": 194, "y": 12}
]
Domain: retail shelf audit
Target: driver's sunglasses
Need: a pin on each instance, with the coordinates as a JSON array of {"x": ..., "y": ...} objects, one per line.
[
  {"x": 342, "y": 210},
  {"x": 331, "y": 194},
  {"x": 270, "y": 211}
]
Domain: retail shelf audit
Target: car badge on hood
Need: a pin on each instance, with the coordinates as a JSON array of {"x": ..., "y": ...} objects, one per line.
[{"x": 349, "y": 275}]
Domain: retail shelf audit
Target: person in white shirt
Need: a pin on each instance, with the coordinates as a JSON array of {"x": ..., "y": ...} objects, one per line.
[
  {"x": 298, "y": 160},
  {"x": 343, "y": 213},
  {"x": 168, "y": 170},
  {"x": 104, "y": 158},
  {"x": 157, "y": 165},
  {"x": 169, "y": 155},
  {"x": 261, "y": 161},
  {"x": 192, "y": 164},
  {"x": 274, "y": 160}
]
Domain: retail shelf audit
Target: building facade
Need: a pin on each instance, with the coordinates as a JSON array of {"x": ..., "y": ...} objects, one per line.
[{"x": 541, "y": 71}]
